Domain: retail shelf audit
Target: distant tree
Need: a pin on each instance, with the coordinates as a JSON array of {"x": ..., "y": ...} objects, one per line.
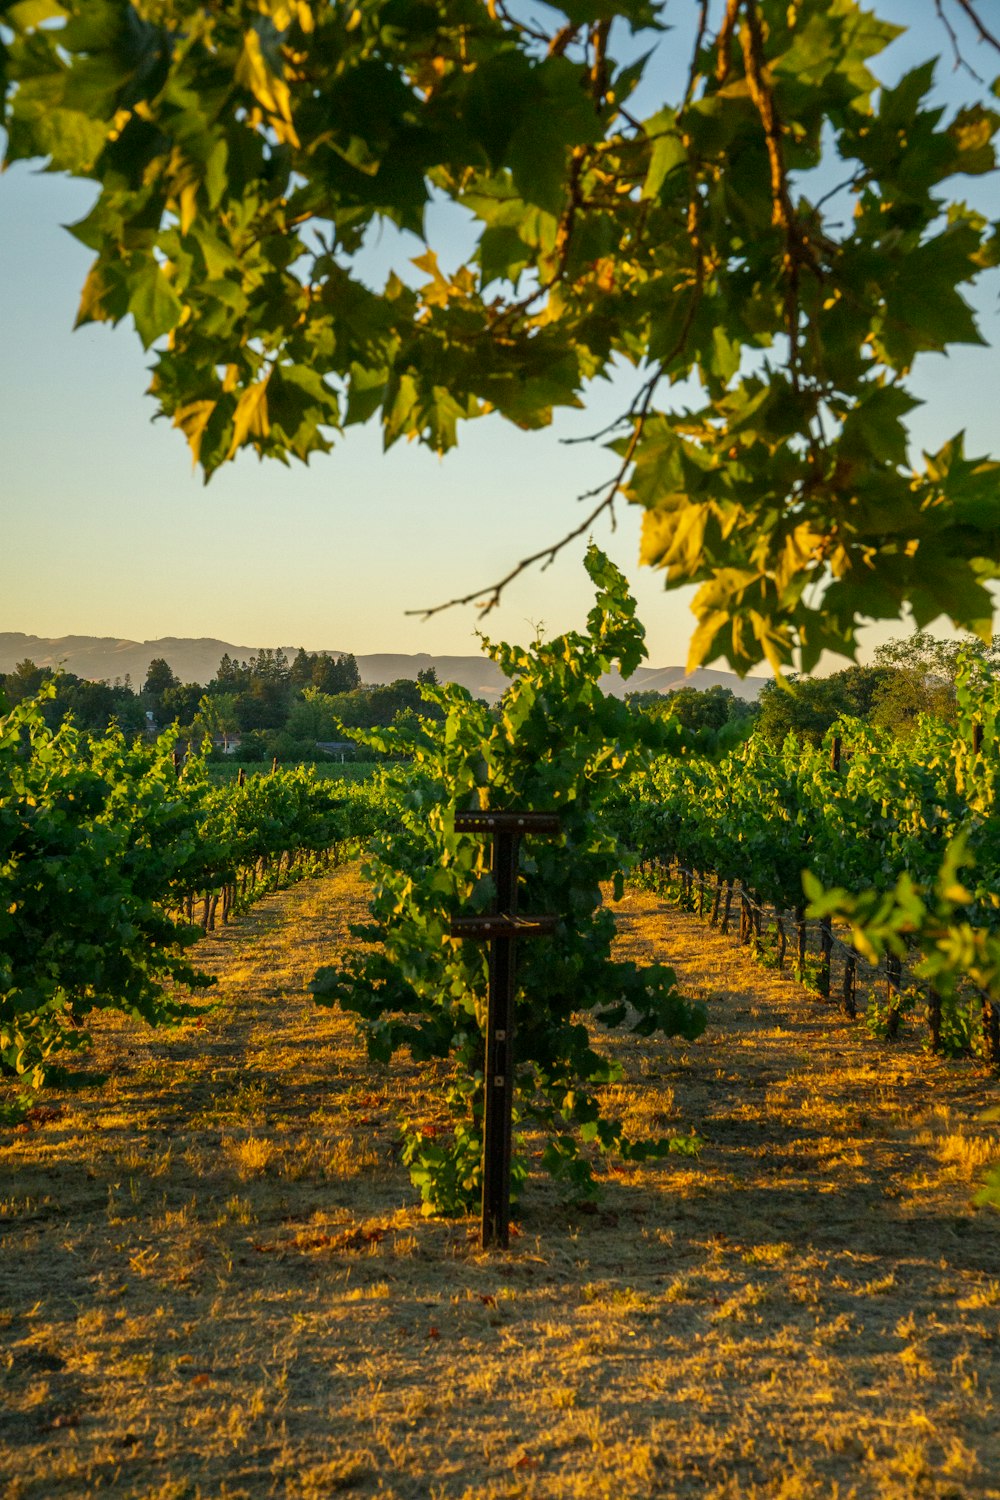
[
  {"x": 24, "y": 681},
  {"x": 323, "y": 670},
  {"x": 217, "y": 717},
  {"x": 428, "y": 677},
  {"x": 301, "y": 669},
  {"x": 270, "y": 664},
  {"x": 376, "y": 706},
  {"x": 809, "y": 706},
  {"x": 254, "y": 713},
  {"x": 128, "y": 709},
  {"x": 265, "y": 692},
  {"x": 181, "y": 703},
  {"x": 694, "y": 708},
  {"x": 160, "y": 677},
  {"x": 335, "y": 674},
  {"x": 231, "y": 677},
  {"x": 919, "y": 677},
  {"x": 708, "y": 708},
  {"x": 312, "y": 717},
  {"x": 92, "y": 705}
]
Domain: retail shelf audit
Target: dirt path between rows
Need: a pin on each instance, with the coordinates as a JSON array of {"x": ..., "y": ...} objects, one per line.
[{"x": 215, "y": 1281}]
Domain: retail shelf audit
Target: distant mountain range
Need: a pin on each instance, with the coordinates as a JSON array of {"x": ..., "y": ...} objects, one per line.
[{"x": 104, "y": 658}]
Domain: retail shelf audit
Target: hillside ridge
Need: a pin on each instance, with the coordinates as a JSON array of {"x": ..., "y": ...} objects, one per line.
[{"x": 195, "y": 659}]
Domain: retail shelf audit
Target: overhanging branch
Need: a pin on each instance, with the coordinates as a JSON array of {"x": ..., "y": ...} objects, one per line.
[
  {"x": 969, "y": 9},
  {"x": 547, "y": 555}
]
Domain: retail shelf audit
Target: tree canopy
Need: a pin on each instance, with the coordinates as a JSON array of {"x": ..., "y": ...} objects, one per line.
[{"x": 779, "y": 234}]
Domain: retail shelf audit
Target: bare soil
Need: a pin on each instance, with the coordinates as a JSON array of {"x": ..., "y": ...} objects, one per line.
[{"x": 215, "y": 1280}]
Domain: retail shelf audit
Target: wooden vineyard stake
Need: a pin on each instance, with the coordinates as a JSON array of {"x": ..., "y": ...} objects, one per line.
[
  {"x": 728, "y": 904},
  {"x": 825, "y": 957},
  {"x": 893, "y": 994},
  {"x": 826, "y": 925},
  {"x": 801, "y": 939},
  {"x": 503, "y": 927},
  {"x": 851, "y": 985}
]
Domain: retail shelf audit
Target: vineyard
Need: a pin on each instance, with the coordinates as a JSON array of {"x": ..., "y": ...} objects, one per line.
[
  {"x": 113, "y": 859},
  {"x": 754, "y": 1247},
  {"x": 270, "y": 1036},
  {"x": 218, "y": 1282},
  {"x": 118, "y": 856},
  {"x": 874, "y": 821}
]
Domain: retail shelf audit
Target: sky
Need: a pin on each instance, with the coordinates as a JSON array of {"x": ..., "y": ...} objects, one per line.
[{"x": 107, "y": 530}]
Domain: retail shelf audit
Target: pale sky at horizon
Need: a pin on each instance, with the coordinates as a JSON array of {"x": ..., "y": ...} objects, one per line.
[{"x": 107, "y": 531}]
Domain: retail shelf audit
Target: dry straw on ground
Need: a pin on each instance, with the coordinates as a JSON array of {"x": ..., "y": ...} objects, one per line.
[{"x": 214, "y": 1281}]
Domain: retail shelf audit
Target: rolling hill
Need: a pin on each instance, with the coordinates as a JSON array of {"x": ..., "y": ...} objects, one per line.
[{"x": 196, "y": 660}]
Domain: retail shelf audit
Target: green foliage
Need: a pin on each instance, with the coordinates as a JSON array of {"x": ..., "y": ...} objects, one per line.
[
  {"x": 92, "y": 832},
  {"x": 160, "y": 680},
  {"x": 324, "y": 672},
  {"x": 921, "y": 675},
  {"x": 558, "y": 743},
  {"x": 880, "y": 843},
  {"x": 694, "y": 708},
  {"x": 103, "y": 846},
  {"x": 811, "y": 706},
  {"x": 376, "y": 706},
  {"x": 92, "y": 705},
  {"x": 989, "y": 1194},
  {"x": 245, "y": 152}
]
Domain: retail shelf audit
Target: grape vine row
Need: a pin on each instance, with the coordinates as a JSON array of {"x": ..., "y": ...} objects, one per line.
[
  {"x": 108, "y": 853},
  {"x": 898, "y": 837}
]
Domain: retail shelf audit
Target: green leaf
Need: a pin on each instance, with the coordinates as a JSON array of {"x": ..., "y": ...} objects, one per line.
[
  {"x": 153, "y": 303},
  {"x": 27, "y": 14},
  {"x": 668, "y": 153},
  {"x": 874, "y": 425}
]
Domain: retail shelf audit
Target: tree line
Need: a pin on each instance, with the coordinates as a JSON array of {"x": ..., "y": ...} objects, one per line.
[
  {"x": 270, "y": 705},
  {"x": 276, "y": 707},
  {"x": 908, "y": 678}
]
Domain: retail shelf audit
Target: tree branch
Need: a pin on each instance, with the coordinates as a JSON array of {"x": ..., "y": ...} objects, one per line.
[
  {"x": 698, "y": 43},
  {"x": 547, "y": 555},
  {"x": 599, "y": 65},
  {"x": 984, "y": 36},
  {"x": 724, "y": 40},
  {"x": 956, "y": 51}
]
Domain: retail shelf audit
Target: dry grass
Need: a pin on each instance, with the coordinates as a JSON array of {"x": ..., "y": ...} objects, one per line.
[{"x": 214, "y": 1281}]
